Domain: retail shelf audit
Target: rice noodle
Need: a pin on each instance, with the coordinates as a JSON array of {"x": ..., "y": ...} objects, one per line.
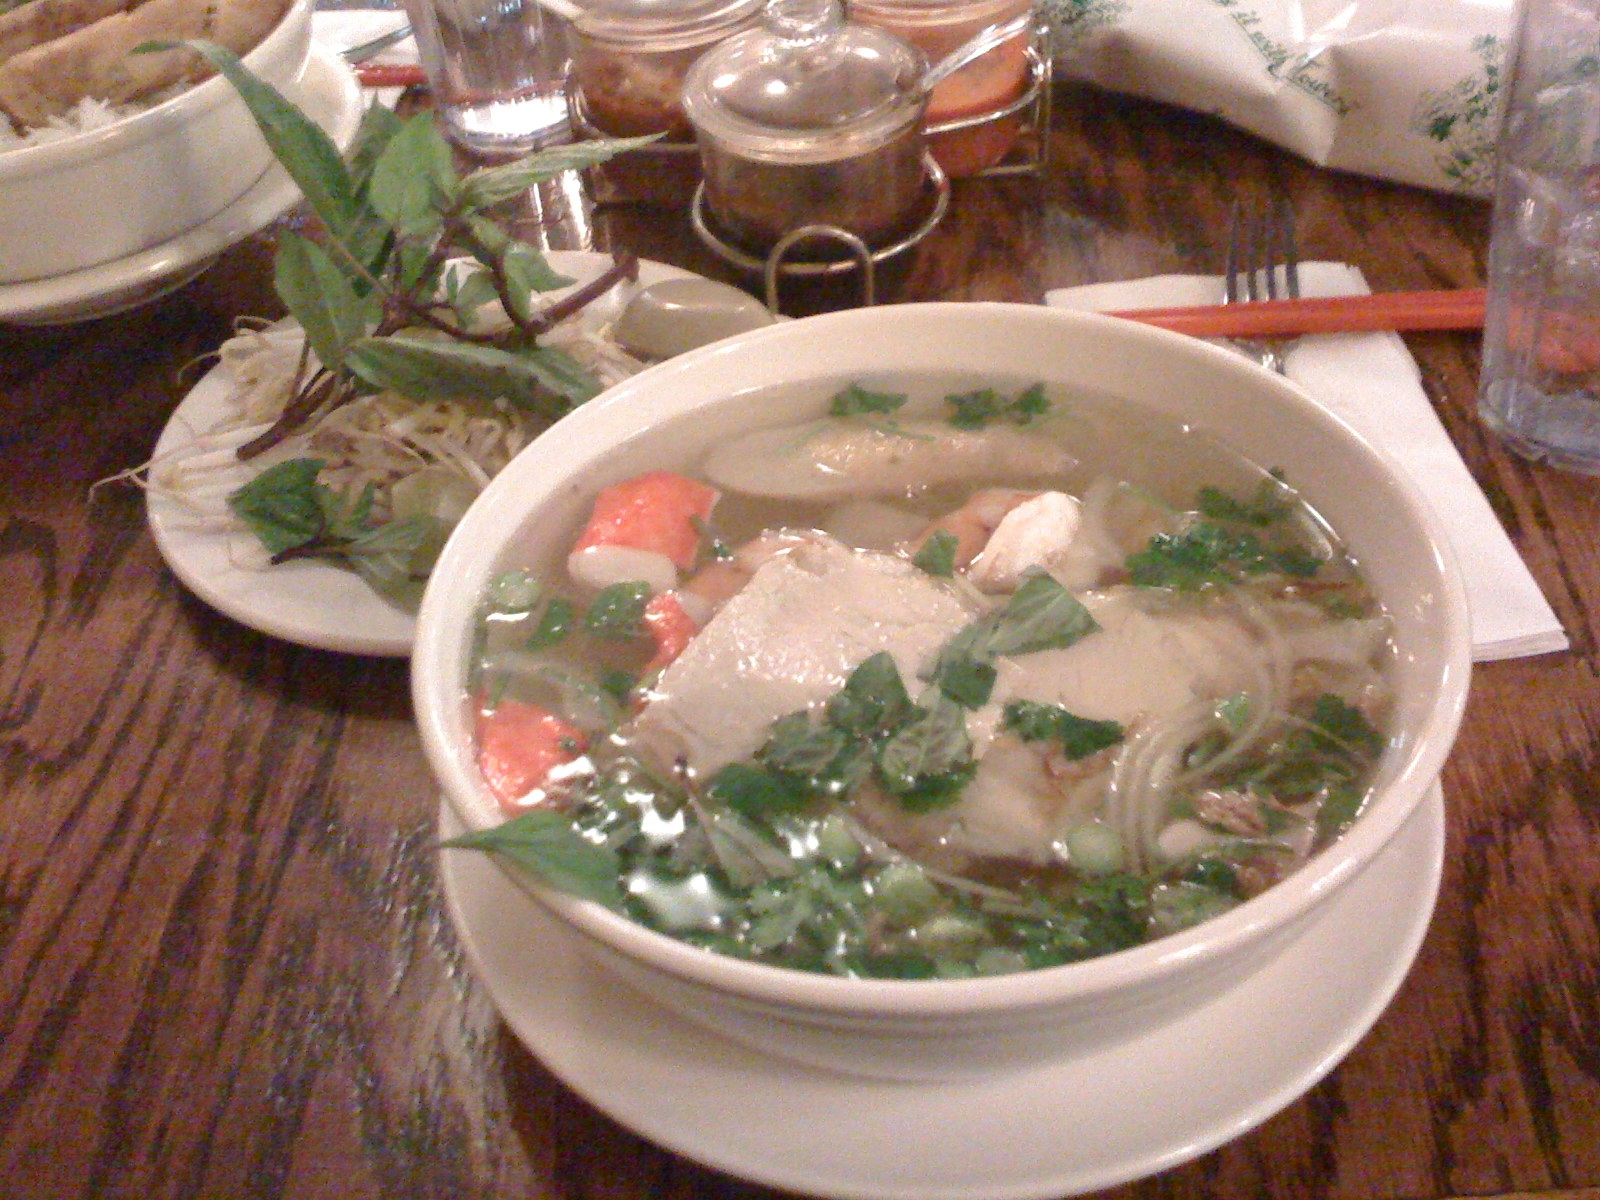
[{"x": 1151, "y": 768}]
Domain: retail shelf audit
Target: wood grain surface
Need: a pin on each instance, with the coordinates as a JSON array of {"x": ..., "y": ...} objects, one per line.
[{"x": 225, "y": 970}]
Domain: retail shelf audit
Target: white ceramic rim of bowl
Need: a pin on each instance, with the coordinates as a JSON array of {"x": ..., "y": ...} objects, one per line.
[
  {"x": 453, "y": 588},
  {"x": 147, "y": 124}
]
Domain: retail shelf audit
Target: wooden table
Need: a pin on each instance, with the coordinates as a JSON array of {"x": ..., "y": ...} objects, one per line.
[{"x": 224, "y": 966}]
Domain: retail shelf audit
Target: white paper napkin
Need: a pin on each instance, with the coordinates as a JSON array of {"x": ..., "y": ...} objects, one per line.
[{"x": 1371, "y": 381}]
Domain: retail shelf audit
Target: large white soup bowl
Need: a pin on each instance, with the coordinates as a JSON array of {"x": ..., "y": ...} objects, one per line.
[{"x": 955, "y": 1029}]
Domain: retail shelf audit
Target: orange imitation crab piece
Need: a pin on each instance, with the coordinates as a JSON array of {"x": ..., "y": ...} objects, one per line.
[
  {"x": 661, "y": 511},
  {"x": 671, "y": 627},
  {"x": 519, "y": 745}
]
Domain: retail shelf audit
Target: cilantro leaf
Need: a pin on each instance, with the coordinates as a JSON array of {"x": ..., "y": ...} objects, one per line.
[
  {"x": 981, "y": 408},
  {"x": 1338, "y": 726},
  {"x": 870, "y": 725},
  {"x": 937, "y": 556},
  {"x": 1272, "y": 502},
  {"x": 1078, "y": 736},
  {"x": 1207, "y": 553},
  {"x": 855, "y": 401},
  {"x": 1223, "y": 542}
]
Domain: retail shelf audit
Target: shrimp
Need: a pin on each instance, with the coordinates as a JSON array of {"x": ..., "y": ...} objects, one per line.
[
  {"x": 973, "y": 523},
  {"x": 717, "y": 582}
]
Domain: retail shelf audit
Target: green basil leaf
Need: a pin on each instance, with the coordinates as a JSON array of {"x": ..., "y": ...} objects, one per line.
[
  {"x": 489, "y": 186},
  {"x": 544, "y": 843},
  {"x": 486, "y": 240},
  {"x": 563, "y": 374},
  {"x": 965, "y": 680},
  {"x": 529, "y": 273},
  {"x": 425, "y": 368},
  {"x": 754, "y": 792},
  {"x": 872, "y": 701},
  {"x": 745, "y": 855},
  {"x": 299, "y": 144},
  {"x": 321, "y": 298},
  {"x": 929, "y": 760},
  {"x": 379, "y": 124},
  {"x": 797, "y": 747},
  {"x": 554, "y": 624},
  {"x": 469, "y": 291},
  {"x": 1040, "y": 615},
  {"x": 414, "y": 180},
  {"x": 284, "y": 505},
  {"x": 396, "y": 557}
]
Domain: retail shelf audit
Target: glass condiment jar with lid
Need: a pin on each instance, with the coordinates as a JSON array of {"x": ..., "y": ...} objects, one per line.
[
  {"x": 987, "y": 85},
  {"x": 630, "y": 57},
  {"x": 809, "y": 120}
]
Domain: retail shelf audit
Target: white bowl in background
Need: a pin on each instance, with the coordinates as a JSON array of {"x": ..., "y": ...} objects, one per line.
[
  {"x": 80, "y": 201},
  {"x": 965, "y": 1028}
]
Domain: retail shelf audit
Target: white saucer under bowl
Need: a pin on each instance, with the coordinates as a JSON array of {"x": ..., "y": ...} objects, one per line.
[
  {"x": 328, "y": 93},
  {"x": 1066, "y": 1127}
]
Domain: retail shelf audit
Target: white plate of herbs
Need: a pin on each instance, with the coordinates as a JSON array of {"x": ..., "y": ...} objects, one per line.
[
  {"x": 306, "y": 484},
  {"x": 321, "y": 601}
]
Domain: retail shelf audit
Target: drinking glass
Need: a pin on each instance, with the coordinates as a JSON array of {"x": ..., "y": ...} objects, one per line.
[
  {"x": 1540, "y": 387},
  {"x": 497, "y": 70}
]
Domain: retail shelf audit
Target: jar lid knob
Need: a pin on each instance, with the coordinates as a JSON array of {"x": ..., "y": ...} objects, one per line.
[{"x": 803, "y": 22}]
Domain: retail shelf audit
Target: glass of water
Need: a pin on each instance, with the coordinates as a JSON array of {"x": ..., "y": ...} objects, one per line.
[
  {"x": 1540, "y": 387},
  {"x": 497, "y": 70}
]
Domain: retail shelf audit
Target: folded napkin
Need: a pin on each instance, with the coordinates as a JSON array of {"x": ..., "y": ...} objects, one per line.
[{"x": 1371, "y": 381}]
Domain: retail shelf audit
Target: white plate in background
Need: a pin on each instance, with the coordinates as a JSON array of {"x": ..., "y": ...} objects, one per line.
[{"x": 327, "y": 92}]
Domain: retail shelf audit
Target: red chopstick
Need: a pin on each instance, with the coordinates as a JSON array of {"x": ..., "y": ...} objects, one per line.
[
  {"x": 1446, "y": 309},
  {"x": 387, "y": 75}
]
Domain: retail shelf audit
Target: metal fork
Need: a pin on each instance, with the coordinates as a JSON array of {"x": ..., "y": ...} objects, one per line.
[
  {"x": 375, "y": 46},
  {"x": 1263, "y": 263}
]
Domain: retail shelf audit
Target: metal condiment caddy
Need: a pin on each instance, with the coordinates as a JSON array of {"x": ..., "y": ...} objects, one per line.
[
  {"x": 853, "y": 252},
  {"x": 812, "y": 150}
]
